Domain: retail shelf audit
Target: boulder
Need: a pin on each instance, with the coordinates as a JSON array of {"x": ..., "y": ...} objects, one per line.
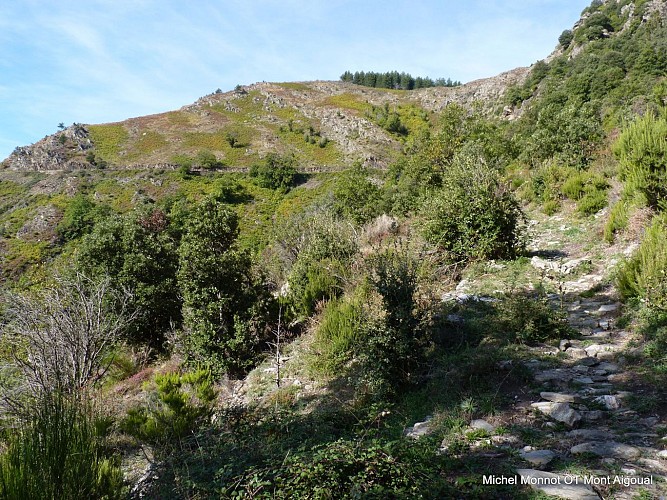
[
  {"x": 562, "y": 412},
  {"x": 608, "y": 449}
]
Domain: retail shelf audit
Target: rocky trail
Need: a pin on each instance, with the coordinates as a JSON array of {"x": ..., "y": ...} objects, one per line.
[{"x": 597, "y": 428}]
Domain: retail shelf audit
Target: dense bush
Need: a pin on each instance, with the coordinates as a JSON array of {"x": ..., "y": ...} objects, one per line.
[
  {"x": 526, "y": 319},
  {"x": 80, "y": 216},
  {"x": 338, "y": 334},
  {"x": 644, "y": 275},
  {"x": 390, "y": 350},
  {"x": 356, "y": 197},
  {"x": 474, "y": 215},
  {"x": 184, "y": 402},
  {"x": 58, "y": 454},
  {"x": 318, "y": 257},
  {"x": 642, "y": 153},
  {"x": 348, "y": 469},
  {"x": 275, "y": 172}
]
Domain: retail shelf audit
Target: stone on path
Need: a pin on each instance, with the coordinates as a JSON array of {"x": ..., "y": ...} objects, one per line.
[
  {"x": 589, "y": 361},
  {"x": 562, "y": 412},
  {"x": 591, "y": 434},
  {"x": 482, "y": 425},
  {"x": 556, "y": 485},
  {"x": 538, "y": 458},
  {"x": 608, "y": 449},
  {"x": 557, "y": 397},
  {"x": 419, "y": 429},
  {"x": 607, "y": 308},
  {"x": 609, "y": 402},
  {"x": 576, "y": 352},
  {"x": 559, "y": 374}
]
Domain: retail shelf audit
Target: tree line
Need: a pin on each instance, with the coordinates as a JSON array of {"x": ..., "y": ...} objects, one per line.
[{"x": 395, "y": 80}]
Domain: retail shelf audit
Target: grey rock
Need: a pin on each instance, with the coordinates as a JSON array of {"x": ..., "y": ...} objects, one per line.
[
  {"x": 607, "y": 449},
  {"x": 555, "y": 374},
  {"x": 609, "y": 367},
  {"x": 583, "y": 380},
  {"x": 591, "y": 434},
  {"x": 482, "y": 425},
  {"x": 581, "y": 369},
  {"x": 557, "y": 397},
  {"x": 564, "y": 344},
  {"x": 539, "y": 458},
  {"x": 593, "y": 415},
  {"x": 662, "y": 454},
  {"x": 596, "y": 349},
  {"x": 506, "y": 440},
  {"x": 556, "y": 485},
  {"x": 576, "y": 352},
  {"x": 589, "y": 361},
  {"x": 562, "y": 412},
  {"x": 608, "y": 401},
  {"x": 657, "y": 465},
  {"x": 649, "y": 421},
  {"x": 419, "y": 429},
  {"x": 607, "y": 308}
]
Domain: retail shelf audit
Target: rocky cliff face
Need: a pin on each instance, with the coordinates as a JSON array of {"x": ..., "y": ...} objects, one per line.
[{"x": 60, "y": 151}]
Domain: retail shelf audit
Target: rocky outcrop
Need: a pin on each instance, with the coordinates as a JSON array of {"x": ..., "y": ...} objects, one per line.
[{"x": 61, "y": 151}]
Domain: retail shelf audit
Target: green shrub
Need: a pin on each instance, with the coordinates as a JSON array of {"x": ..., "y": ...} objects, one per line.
[
  {"x": 138, "y": 252},
  {"x": 207, "y": 159},
  {"x": 222, "y": 299},
  {"x": 474, "y": 216},
  {"x": 565, "y": 38},
  {"x": 573, "y": 187},
  {"x": 592, "y": 202},
  {"x": 79, "y": 217},
  {"x": 57, "y": 454},
  {"x": 617, "y": 221},
  {"x": 642, "y": 153},
  {"x": 356, "y": 197},
  {"x": 318, "y": 250},
  {"x": 526, "y": 319},
  {"x": 275, "y": 172},
  {"x": 184, "y": 402},
  {"x": 551, "y": 207},
  {"x": 391, "y": 350},
  {"x": 644, "y": 275},
  {"x": 337, "y": 335},
  {"x": 348, "y": 469}
]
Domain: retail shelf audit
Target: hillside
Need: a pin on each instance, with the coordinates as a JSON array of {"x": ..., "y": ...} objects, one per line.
[
  {"x": 261, "y": 118},
  {"x": 323, "y": 290}
]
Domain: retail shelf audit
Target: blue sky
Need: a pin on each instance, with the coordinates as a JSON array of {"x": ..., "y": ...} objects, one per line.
[{"x": 99, "y": 61}]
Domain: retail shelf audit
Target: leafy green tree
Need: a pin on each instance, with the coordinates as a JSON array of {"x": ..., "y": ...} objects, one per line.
[
  {"x": 221, "y": 300},
  {"x": 138, "y": 253},
  {"x": 207, "y": 159}
]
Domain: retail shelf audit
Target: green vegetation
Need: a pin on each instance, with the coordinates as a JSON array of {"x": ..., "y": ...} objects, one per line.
[
  {"x": 109, "y": 140},
  {"x": 185, "y": 401},
  {"x": 473, "y": 216},
  {"x": 58, "y": 453},
  {"x": 275, "y": 172},
  {"x": 338, "y": 296}
]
